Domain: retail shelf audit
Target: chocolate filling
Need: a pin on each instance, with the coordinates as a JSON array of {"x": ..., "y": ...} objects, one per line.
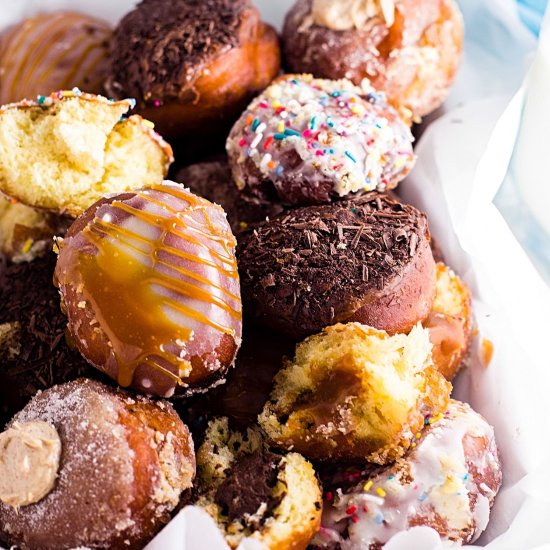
[
  {"x": 160, "y": 47},
  {"x": 248, "y": 485},
  {"x": 28, "y": 297}
]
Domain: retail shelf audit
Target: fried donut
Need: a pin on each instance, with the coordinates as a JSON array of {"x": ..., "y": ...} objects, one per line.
[
  {"x": 192, "y": 64},
  {"x": 252, "y": 492},
  {"x": 34, "y": 353},
  {"x": 307, "y": 141},
  {"x": 353, "y": 392},
  {"x": 65, "y": 151},
  {"x": 410, "y": 49},
  {"x": 367, "y": 260},
  {"x": 213, "y": 181},
  {"x": 450, "y": 322},
  {"x": 448, "y": 481},
  {"x": 150, "y": 285},
  {"x": 109, "y": 469},
  {"x": 53, "y": 51}
]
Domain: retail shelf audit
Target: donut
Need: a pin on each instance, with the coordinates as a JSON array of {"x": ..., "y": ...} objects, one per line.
[
  {"x": 409, "y": 49},
  {"x": 26, "y": 233},
  {"x": 367, "y": 260},
  {"x": 213, "y": 181},
  {"x": 252, "y": 492},
  {"x": 54, "y": 51},
  {"x": 150, "y": 285},
  {"x": 307, "y": 141},
  {"x": 450, "y": 322},
  {"x": 354, "y": 393},
  {"x": 84, "y": 465},
  {"x": 65, "y": 151},
  {"x": 448, "y": 481},
  {"x": 193, "y": 65},
  {"x": 34, "y": 353}
]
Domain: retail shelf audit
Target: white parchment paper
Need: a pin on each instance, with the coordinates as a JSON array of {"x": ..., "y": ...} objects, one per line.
[{"x": 464, "y": 155}]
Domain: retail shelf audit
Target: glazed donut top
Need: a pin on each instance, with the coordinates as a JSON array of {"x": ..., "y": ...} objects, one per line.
[
  {"x": 158, "y": 269},
  {"x": 53, "y": 51},
  {"x": 339, "y": 132},
  {"x": 450, "y": 478},
  {"x": 162, "y": 46}
]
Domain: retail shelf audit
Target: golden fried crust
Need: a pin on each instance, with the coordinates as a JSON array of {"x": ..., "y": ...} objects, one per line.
[
  {"x": 353, "y": 392},
  {"x": 450, "y": 322},
  {"x": 414, "y": 61},
  {"x": 224, "y": 86}
]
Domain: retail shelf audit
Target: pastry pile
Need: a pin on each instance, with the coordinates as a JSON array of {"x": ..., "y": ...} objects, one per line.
[{"x": 250, "y": 319}]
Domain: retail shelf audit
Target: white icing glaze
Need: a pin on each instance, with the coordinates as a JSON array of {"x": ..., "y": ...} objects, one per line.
[
  {"x": 437, "y": 484},
  {"x": 341, "y": 133}
]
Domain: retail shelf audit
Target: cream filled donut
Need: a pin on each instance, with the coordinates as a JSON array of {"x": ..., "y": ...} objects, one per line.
[
  {"x": 306, "y": 141},
  {"x": 448, "y": 481},
  {"x": 150, "y": 285}
]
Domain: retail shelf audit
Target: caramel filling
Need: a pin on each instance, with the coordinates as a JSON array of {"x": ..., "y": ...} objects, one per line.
[{"x": 140, "y": 296}]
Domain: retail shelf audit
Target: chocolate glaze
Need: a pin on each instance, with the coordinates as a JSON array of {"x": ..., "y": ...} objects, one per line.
[
  {"x": 28, "y": 297},
  {"x": 250, "y": 484},
  {"x": 351, "y": 261},
  {"x": 160, "y": 47}
]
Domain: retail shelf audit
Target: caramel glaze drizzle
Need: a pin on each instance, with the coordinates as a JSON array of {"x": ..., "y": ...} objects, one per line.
[
  {"x": 46, "y": 31},
  {"x": 121, "y": 283}
]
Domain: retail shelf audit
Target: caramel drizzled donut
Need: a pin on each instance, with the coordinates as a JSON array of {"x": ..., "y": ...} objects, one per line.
[
  {"x": 448, "y": 481},
  {"x": 124, "y": 463},
  {"x": 151, "y": 289},
  {"x": 409, "y": 49},
  {"x": 367, "y": 260},
  {"x": 55, "y": 51},
  {"x": 307, "y": 141},
  {"x": 192, "y": 65}
]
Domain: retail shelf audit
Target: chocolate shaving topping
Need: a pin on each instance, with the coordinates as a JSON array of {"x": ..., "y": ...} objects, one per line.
[
  {"x": 160, "y": 48},
  {"x": 29, "y": 298},
  {"x": 248, "y": 485},
  {"x": 320, "y": 261}
]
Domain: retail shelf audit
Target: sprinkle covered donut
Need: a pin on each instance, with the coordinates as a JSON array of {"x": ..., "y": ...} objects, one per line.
[
  {"x": 448, "y": 482},
  {"x": 307, "y": 141},
  {"x": 150, "y": 284}
]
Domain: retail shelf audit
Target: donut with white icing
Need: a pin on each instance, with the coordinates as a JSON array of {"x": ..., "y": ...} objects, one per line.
[
  {"x": 308, "y": 141},
  {"x": 448, "y": 481}
]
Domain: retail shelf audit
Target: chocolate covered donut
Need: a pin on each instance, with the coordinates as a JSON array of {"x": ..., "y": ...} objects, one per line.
[
  {"x": 150, "y": 285},
  {"x": 409, "y": 49},
  {"x": 84, "y": 465},
  {"x": 367, "y": 260},
  {"x": 307, "y": 141},
  {"x": 192, "y": 65},
  {"x": 448, "y": 481}
]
